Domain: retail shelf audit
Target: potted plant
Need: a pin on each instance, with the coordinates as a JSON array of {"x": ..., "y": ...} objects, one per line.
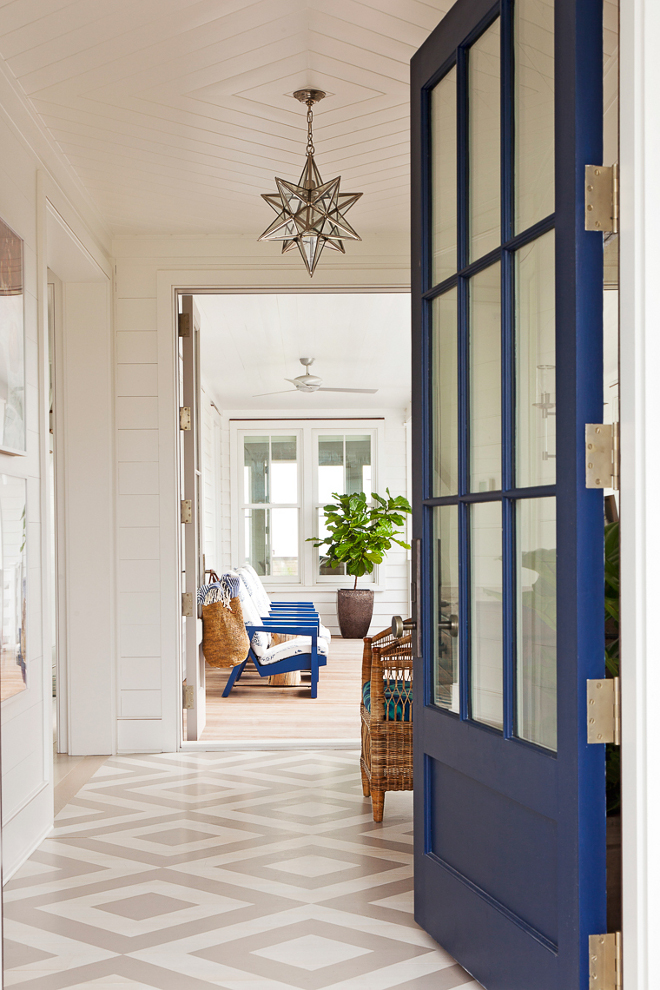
[{"x": 359, "y": 536}]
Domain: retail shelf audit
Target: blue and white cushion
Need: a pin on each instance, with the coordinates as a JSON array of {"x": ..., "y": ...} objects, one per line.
[
  {"x": 259, "y": 595},
  {"x": 255, "y": 588},
  {"x": 292, "y": 648},
  {"x": 219, "y": 591}
]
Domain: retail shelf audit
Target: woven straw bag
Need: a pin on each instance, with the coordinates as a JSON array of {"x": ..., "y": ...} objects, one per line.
[{"x": 225, "y": 640}]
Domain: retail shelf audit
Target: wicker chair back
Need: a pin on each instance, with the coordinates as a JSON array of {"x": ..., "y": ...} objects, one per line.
[{"x": 387, "y": 726}]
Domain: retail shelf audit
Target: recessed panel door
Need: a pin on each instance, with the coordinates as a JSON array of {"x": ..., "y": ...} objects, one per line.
[{"x": 507, "y": 369}]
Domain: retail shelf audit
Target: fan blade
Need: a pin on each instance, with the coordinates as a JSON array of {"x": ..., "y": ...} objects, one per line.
[
  {"x": 287, "y": 391},
  {"x": 364, "y": 391}
]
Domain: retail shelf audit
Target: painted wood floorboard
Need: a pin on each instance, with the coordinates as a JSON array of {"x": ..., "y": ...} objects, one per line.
[
  {"x": 238, "y": 871},
  {"x": 256, "y": 710}
]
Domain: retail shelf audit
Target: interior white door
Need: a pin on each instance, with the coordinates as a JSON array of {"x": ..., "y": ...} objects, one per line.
[{"x": 191, "y": 520}]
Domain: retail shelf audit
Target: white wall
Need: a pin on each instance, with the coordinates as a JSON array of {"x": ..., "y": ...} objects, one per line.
[
  {"x": 32, "y": 173},
  {"x": 85, "y": 405},
  {"x": 26, "y": 778}
]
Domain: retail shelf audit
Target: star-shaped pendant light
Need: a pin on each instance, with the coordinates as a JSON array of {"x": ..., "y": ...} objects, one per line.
[{"x": 310, "y": 215}]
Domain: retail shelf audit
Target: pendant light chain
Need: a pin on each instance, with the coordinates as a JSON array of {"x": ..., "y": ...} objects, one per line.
[{"x": 310, "y": 138}]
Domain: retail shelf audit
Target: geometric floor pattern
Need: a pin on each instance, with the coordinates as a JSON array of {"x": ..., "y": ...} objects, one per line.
[{"x": 243, "y": 871}]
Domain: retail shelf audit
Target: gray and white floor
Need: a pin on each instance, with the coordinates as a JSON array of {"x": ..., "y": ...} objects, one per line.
[{"x": 244, "y": 871}]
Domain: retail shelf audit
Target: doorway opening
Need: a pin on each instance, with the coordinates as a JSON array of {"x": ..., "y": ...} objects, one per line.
[{"x": 260, "y": 461}]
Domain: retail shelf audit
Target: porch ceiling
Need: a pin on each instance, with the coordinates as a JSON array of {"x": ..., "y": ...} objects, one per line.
[
  {"x": 252, "y": 343},
  {"x": 176, "y": 114}
]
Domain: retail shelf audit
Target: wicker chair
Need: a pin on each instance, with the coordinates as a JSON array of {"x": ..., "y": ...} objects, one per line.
[{"x": 386, "y": 761}]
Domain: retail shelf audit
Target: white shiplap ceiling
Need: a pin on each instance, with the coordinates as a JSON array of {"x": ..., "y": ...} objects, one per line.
[
  {"x": 251, "y": 344},
  {"x": 175, "y": 113}
]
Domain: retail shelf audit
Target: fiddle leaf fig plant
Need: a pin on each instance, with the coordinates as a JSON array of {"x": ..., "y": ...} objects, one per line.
[{"x": 359, "y": 535}]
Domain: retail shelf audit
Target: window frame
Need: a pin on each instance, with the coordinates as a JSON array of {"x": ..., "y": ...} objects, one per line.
[{"x": 307, "y": 433}]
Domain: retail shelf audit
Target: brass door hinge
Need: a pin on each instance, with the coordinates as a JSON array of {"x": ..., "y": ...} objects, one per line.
[
  {"x": 184, "y": 324},
  {"x": 187, "y": 604},
  {"x": 186, "y": 510},
  {"x": 601, "y": 442},
  {"x": 604, "y": 711},
  {"x": 601, "y": 198},
  {"x": 185, "y": 420},
  {"x": 188, "y": 696},
  {"x": 605, "y": 962}
]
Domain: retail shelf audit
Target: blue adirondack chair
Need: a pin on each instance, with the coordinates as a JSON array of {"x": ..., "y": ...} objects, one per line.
[
  {"x": 295, "y": 655},
  {"x": 307, "y": 652}
]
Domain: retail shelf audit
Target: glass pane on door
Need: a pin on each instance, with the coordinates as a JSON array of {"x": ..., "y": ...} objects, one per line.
[
  {"x": 485, "y": 382},
  {"x": 536, "y": 579},
  {"x": 535, "y": 362},
  {"x": 444, "y": 386},
  {"x": 443, "y": 179},
  {"x": 534, "y": 166},
  {"x": 445, "y": 607},
  {"x": 484, "y": 125},
  {"x": 486, "y": 612}
]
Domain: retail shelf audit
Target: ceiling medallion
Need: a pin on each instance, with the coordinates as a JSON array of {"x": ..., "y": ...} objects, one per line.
[{"x": 310, "y": 215}]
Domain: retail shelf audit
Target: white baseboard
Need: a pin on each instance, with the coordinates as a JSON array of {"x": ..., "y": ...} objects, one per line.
[
  {"x": 218, "y": 746},
  {"x": 7, "y": 875}
]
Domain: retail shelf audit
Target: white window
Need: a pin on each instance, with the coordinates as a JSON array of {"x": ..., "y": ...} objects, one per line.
[
  {"x": 270, "y": 504},
  {"x": 343, "y": 466},
  {"x": 283, "y": 473}
]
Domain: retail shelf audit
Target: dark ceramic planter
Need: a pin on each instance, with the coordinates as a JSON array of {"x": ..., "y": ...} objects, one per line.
[{"x": 354, "y": 611}]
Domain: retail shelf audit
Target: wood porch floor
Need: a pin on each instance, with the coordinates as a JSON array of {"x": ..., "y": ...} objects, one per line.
[{"x": 256, "y": 710}]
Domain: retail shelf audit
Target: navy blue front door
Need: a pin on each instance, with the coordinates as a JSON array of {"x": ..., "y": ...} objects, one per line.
[{"x": 507, "y": 358}]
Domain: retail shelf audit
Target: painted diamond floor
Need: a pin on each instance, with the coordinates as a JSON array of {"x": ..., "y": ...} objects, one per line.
[{"x": 244, "y": 871}]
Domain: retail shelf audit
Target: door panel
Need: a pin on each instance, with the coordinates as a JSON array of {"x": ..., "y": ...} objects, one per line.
[
  {"x": 191, "y": 536},
  {"x": 507, "y": 366}
]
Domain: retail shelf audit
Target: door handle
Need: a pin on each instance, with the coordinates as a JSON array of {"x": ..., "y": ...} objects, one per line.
[
  {"x": 450, "y": 624},
  {"x": 400, "y": 625}
]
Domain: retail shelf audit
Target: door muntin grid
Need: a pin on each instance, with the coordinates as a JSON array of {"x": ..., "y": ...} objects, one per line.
[{"x": 523, "y": 260}]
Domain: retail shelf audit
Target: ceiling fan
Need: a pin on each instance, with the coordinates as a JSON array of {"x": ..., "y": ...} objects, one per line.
[{"x": 310, "y": 383}]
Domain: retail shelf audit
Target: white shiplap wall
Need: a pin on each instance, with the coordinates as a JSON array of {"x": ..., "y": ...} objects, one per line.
[{"x": 138, "y": 524}]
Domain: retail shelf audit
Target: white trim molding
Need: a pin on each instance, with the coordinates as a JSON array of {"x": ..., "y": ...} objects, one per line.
[{"x": 640, "y": 485}]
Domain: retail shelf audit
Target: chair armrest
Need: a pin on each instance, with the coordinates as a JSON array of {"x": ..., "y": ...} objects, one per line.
[
  {"x": 366, "y": 660},
  {"x": 377, "y": 691}
]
